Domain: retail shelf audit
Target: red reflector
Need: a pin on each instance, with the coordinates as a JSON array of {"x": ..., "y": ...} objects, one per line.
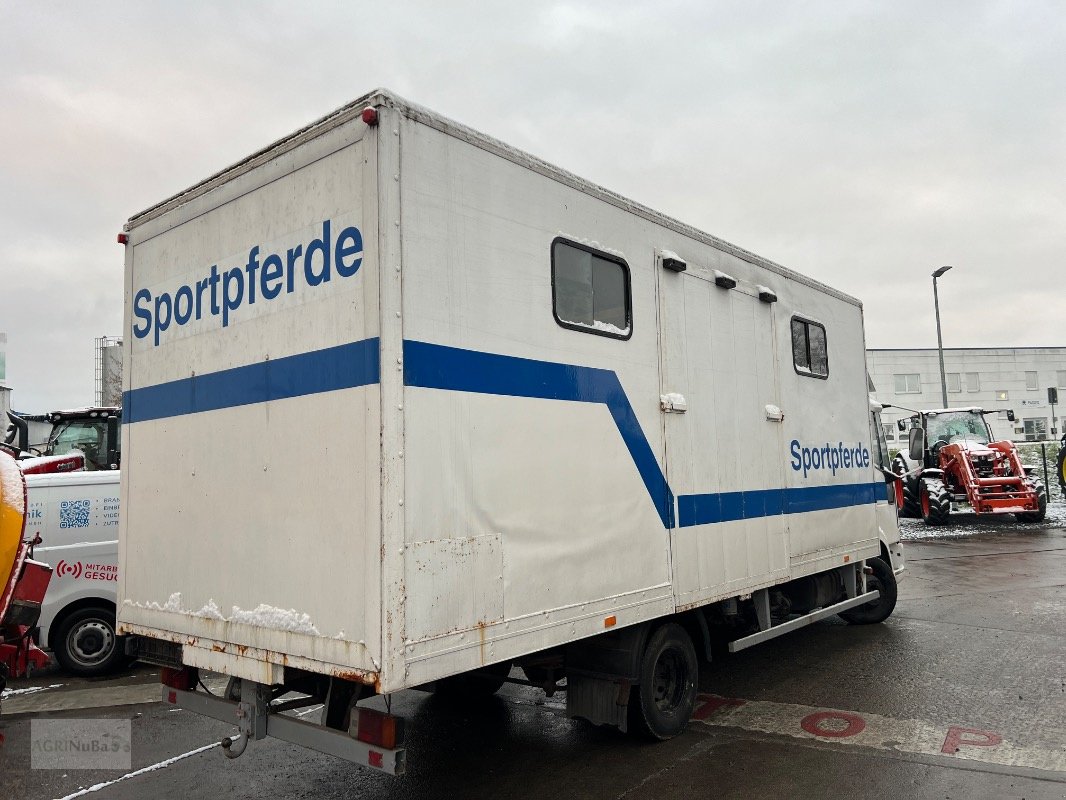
[
  {"x": 384, "y": 730},
  {"x": 172, "y": 698},
  {"x": 184, "y": 678},
  {"x": 370, "y": 115},
  {"x": 375, "y": 759},
  {"x": 123, "y": 238}
]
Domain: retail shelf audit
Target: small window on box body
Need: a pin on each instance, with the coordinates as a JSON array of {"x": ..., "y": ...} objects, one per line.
[
  {"x": 810, "y": 353},
  {"x": 590, "y": 290}
]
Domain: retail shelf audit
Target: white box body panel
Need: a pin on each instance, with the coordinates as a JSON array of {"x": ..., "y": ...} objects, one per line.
[{"x": 502, "y": 483}]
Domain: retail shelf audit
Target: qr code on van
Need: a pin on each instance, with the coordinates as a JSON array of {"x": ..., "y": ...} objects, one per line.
[{"x": 74, "y": 514}]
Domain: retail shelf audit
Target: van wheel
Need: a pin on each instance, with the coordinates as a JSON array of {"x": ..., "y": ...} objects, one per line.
[
  {"x": 884, "y": 580},
  {"x": 86, "y": 643},
  {"x": 660, "y": 707}
]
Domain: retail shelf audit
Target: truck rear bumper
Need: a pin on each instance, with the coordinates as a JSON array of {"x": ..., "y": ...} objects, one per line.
[{"x": 289, "y": 729}]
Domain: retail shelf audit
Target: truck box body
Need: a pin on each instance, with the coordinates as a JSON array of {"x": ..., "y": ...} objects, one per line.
[{"x": 367, "y": 435}]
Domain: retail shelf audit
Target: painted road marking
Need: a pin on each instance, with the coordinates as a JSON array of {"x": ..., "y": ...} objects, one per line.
[{"x": 881, "y": 733}]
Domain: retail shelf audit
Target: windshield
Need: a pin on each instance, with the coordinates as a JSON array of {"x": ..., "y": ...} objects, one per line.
[
  {"x": 951, "y": 426},
  {"x": 88, "y": 437}
]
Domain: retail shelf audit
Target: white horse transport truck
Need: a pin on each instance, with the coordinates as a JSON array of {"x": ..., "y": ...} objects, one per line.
[{"x": 405, "y": 406}]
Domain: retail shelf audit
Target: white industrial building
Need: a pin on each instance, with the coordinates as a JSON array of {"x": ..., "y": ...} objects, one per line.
[{"x": 1015, "y": 378}]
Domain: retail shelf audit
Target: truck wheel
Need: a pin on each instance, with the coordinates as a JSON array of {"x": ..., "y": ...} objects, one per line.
[
  {"x": 907, "y": 490},
  {"x": 660, "y": 707},
  {"x": 86, "y": 644},
  {"x": 884, "y": 580},
  {"x": 484, "y": 682},
  {"x": 1041, "y": 512},
  {"x": 936, "y": 502},
  {"x": 1062, "y": 467}
]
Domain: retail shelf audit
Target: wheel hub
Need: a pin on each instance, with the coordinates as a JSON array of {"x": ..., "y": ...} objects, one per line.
[{"x": 91, "y": 642}]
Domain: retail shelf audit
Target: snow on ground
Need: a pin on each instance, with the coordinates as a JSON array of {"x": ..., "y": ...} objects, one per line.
[
  {"x": 968, "y": 524},
  {"x": 28, "y": 690}
]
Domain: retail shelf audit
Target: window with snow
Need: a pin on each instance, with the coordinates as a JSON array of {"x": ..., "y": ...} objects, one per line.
[
  {"x": 809, "y": 352},
  {"x": 590, "y": 290}
]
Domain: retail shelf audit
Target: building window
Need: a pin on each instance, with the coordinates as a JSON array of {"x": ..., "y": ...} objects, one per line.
[
  {"x": 590, "y": 290},
  {"x": 1002, "y": 394},
  {"x": 1060, "y": 378},
  {"x": 1035, "y": 429},
  {"x": 954, "y": 382},
  {"x": 890, "y": 431},
  {"x": 910, "y": 383},
  {"x": 973, "y": 382},
  {"x": 810, "y": 354},
  {"x": 1031, "y": 381}
]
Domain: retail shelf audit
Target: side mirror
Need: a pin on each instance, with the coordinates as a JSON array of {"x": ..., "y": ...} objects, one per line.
[
  {"x": 901, "y": 424},
  {"x": 18, "y": 432},
  {"x": 916, "y": 444}
]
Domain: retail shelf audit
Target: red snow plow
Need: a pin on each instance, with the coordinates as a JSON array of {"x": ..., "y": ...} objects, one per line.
[
  {"x": 24, "y": 581},
  {"x": 952, "y": 462}
]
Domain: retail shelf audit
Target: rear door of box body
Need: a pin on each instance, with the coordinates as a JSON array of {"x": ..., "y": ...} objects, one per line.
[{"x": 250, "y": 526}]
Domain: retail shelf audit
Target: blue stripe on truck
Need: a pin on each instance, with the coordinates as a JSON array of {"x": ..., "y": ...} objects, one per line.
[
  {"x": 434, "y": 366},
  {"x": 703, "y": 509},
  {"x": 343, "y": 367}
]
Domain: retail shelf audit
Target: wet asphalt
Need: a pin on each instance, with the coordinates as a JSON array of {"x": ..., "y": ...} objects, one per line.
[{"x": 978, "y": 641}]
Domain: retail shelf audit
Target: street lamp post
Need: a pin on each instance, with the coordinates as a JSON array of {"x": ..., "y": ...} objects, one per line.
[{"x": 939, "y": 338}]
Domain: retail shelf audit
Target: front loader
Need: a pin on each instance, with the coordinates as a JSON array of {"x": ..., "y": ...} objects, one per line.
[{"x": 953, "y": 463}]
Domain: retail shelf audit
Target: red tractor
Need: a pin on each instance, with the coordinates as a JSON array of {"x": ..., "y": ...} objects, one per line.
[{"x": 952, "y": 462}]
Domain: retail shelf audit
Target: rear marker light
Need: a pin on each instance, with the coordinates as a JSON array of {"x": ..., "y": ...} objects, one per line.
[
  {"x": 377, "y": 728},
  {"x": 375, "y": 759},
  {"x": 123, "y": 238},
  {"x": 610, "y": 621},
  {"x": 370, "y": 116},
  {"x": 172, "y": 698},
  {"x": 184, "y": 679}
]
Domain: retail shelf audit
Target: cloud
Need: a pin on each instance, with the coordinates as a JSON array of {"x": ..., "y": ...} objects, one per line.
[{"x": 864, "y": 143}]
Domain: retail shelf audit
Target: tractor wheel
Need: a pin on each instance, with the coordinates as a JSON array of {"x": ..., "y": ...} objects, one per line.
[
  {"x": 884, "y": 580},
  {"x": 906, "y": 490},
  {"x": 1041, "y": 499},
  {"x": 935, "y": 502}
]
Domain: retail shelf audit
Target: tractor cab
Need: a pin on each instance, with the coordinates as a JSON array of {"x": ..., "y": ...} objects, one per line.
[{"x": 90, "y": 432}]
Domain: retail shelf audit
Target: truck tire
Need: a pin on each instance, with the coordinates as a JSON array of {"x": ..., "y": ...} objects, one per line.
[
  {"x": 936, "y": 502},
  {"x": 907, "y": 493},
  {"x": 661, "y": 705},
  {"x": 884, "y": 580},
  {"x": 484, "y": 682},
  {"x": 1041, "y": 512},
  {"x": 86, "y": 644},
  {"x": 1062, "y": 467}
]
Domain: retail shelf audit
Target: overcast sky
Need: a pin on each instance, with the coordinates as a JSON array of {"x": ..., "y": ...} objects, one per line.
[{"x": 861, "y": 143}]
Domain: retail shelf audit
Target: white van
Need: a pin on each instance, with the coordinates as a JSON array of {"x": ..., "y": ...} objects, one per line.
[{"x": 72, "y": 490}]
